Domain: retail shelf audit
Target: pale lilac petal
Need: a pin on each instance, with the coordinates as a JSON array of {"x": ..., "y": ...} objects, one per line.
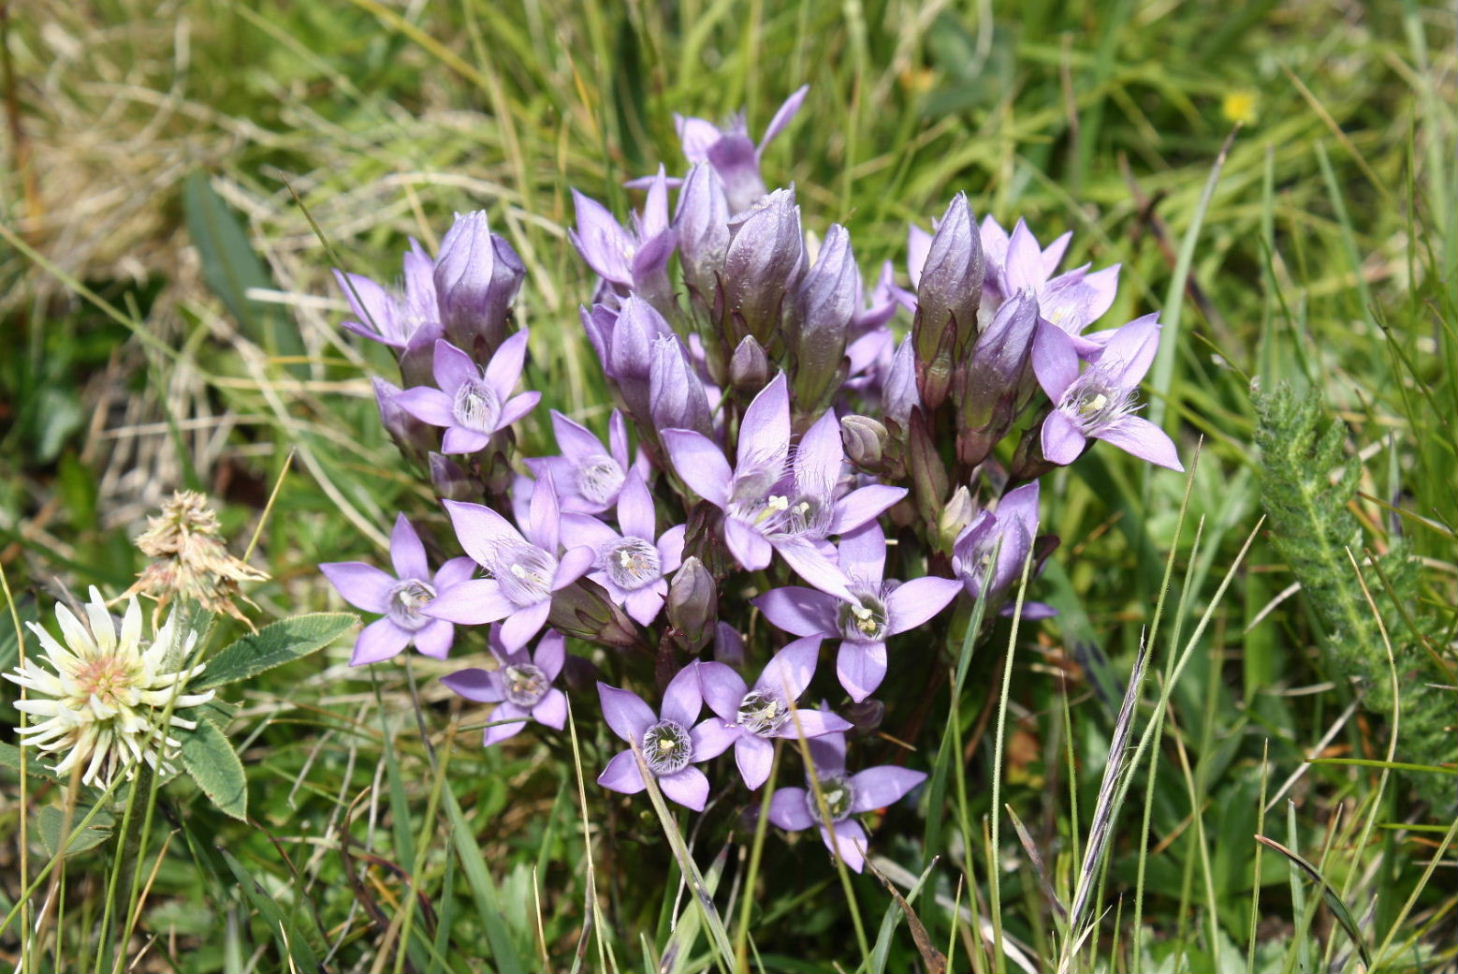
[
  {"x": 584, "y": 529},
  {"x": 503, "y": 372},
  {"x": 790, "y": 670},
  {"x": 622, "y": 774},
  {"x": 575, "y": 440},
  {"x": 435, "y": 638},
  {"x": 722, "y": 689},
  {"x": 635, "y": 509},
  {"x": 783, "y": 117},
  {"x": 861, "y": 667},
  {"x": 755, "y": 756},
  {"x": 551, "y": 710},
  {"x": 406, "y": 551},
  {"x": 700, "y": 464},
  {"x": 918, "y": 245},
  {"x": 1130, "y": 351},
  {"x": 1062, "y": 440},
  {"x": 849, "y": 843},
  {"x": 682, "y": 698},
  {"x": 550, "y": 654},
  {"x": 427, "y": 405},
  {"x": 603, "y": 243},
  {"x": 508, "y": 721},
  {"x": 813, "y": 723},
  {"x": 1053, "y": 253},
  {"x": 670, "y": 548},
  {"x": 471, "y": 603},
  {"x": 481, "y": 530},
  {"x": 819, "y": 456},
  {"x": 452, "y": 368},
  {"x": 689, "y": 787},
  {"x": 377, "y": 641},
  {"x": 574, "y": 564},
  {"x": 697, "y": 135},
  {"x": 711, "y": 737},
  {"x": 788, "y": 809},
  {"x": 1024, "y": 264},
  {"x": 475, "y": 684},
  {"x": 765, "y": 428},
  {"x": 799, "y": 611},
  {"x": 1055, "y": 359},
  {"x": 454, "y": 572},
  {"x": 544, "y": 517},
  {"x": 644, "y": 605},
  {"x": 916, "y": 601},
  {"x": 747, "y": 545},
  {"x": 458, "y": 439},
  {"x": 363, "y": 586},
  {"x": 863, "y": 555},
  {"x": 1143, "y": 439},
  {"x": 523, "y": 624},
  {"x": 516, "y": 407},
  {"x": 811, "y": 564},
  {"x": 878, "y": 787},
  {"x": 618, "y": 438},
  {"x": 625, "y": 712},
  {"x": 863, "y": 505}
]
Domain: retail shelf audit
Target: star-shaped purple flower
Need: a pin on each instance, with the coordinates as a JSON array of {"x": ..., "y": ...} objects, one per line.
[
  {"x": 633, "y": 565},
  {"x": 397, "y": 320},
  {"x": 630, "y": 259},
  {"x": 845, "y": 795},
  {"x": 401, "y": 597},
  {"x": 469, "y": 403},
  {"x": 524, "y": 571},
  {"x": 1100, "y": 402},
  {"x": 521, "y": 686},
  {"x": 587, "y": 474},
  {"x": 876, "y": 610},
  {"x": 754, "y": 716},
  {"x": 670, "y": 743},
  {"x": 731, "y": 152}
]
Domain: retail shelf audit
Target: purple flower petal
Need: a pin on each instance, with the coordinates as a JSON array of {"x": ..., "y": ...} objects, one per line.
[
  {"x": 474, "y": 683},
  {"x": 551, "y": 710},
  {"x": 790, "y": 670},
  {"x": 1143, "y": 439},
  {"x": 682, "y": 698},
  {"x": 625, "y": 712},
  {"x": 747, "y": 545},
  {"x": 863, "y": 555},
  {"x": 670, "y": 548},
  {"x": 406, "y": 551},
  {"x": 454, "y": 572},
  {"x": 584, "y": 529},
  {"x": 1130, "y": 350},
  {"x": 574, "y": 564},
  {"x": 878, "y": 787},
  {"x": 863, "y": 505},
  {"x": 917, "y": 600},
  {"x": 644, "y": 605},
  {"x": 799, "y": 611},
  {"x": 813, "y": 723},
  {"x": 551, "y": 653},
  {"x": 861, "y": 667},
  {"x": 520, "y": 626},
  {"x": 622, "y": 774},
  {"x": 603, "y": 243},
  {"x": 699, "y": 464},
  {"x": 452, "y": 367},
  {"x": 819, "y": 456},
  {"x": 1062, "y": 440},
  {"x": 782, "y": 118},
  {"x": 1055, "y": 359},
  {"x": 509, "y": 720},
  {"x": 635, "y": 509},
  {"x": 811, "y": 565},
  {"x": 427, "y": 405},
  {"x": 458, "y": 439},
  {"x": 755, "y": 756},
  {"x": 377, "y": 641},
  {"x": 575, "y": 440},
  {"x": 471, "y": 603},
  {"x": 711, "y": 737},
  {"x": 363, "y": 586},
  {"x": 689, "y": 787},
  {"x": 435, "y": 638},
  {"x": 544, "y": 517},
  {"x": 765, "y": 428},
  {"x": 722, "y": 689},
  {"x": 516, "y": 407},
  {"x": 503, "y": 372},
  {"x": 788, "y": 809},
  {"x": 849, "y": 843}
]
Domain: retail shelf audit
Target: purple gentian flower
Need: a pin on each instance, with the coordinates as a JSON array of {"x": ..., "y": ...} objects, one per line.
[
  {"x": 1100, "y": 402},
  {"x": 1007, "y": 533},
  {"x": 521, "y": 686},
  {"x": 469, "y": 403},
  {"x": 670, "y": 742},
  {"x": 401, "y": 597},
  {"x": 632, "y": 566},
  {"x": 753, "y": 716},
  {"x": 729, "y": 150},
  {"x": 524, "y": 571},
  {"x": 1069, "y": 302},
  {"x": 389, "y": 318},
  {"x": 634, "y": 260},
  {"x": 845, "y": 795},
  {"x": 588, "y": 475},
  {"x": 876, "y": 610}
]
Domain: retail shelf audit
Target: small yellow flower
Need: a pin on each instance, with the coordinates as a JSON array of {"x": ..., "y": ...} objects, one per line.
[
  {"x": 1240, "y": 107},
  {"x": 103, "y": 706}
]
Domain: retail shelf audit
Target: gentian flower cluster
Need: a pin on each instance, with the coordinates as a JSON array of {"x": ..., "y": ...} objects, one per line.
[{"x": 804, "y": 477}]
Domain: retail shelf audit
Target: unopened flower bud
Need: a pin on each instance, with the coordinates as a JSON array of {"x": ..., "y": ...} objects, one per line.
[
  {"x": 749, "y": 369},
  {"x": 828, "y": 298},
  {"x": 410, "y": 434},
  {"x": 762, "y": 264},
  {"x": 990, "y": 381},
  {"x": 630, "y": 352},
  {"x": 450, "y": 479},
  {"x": 476, "y": 278},
  {"x": 702, "y": 227},
  {"x": 955, "y": 517},
  {"x": 864, "y": 439},
  {"x": 676, "y": 396},
  {"x": 899, "y": 395},
  {"x": 693, "y": 603},
  {"x": 948, "y": 294},
  {"x": 866, "y": 715}
]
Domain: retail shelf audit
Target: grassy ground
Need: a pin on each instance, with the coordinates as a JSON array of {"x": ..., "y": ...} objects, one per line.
[{"x": 169, "y": 321}]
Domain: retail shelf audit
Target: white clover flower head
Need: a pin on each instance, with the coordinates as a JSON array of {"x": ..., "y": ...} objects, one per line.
[{"x": 102, "y": 703}]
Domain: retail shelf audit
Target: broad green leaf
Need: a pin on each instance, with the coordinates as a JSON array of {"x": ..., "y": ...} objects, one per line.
[
  {"x": 10, "y": 758},
  {"x": 274, "y": 645},
  {"x": 51, "y": 821},
  {"x": 214, "y": 765}
]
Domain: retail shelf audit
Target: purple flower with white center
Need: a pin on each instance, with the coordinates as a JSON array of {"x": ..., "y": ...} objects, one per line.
[
  {"x": 770, "y": 506},
  {"x": 755, "y": 716},
  {"x": 1099, "y": 403},
  {"x": 401, "y": 598},
  {"x": 729, "y": 150},
  {"x": 588, "y": 475},
  {"x": 470, "y": 403},
  {"x": 632, "y": 566},
  {"x": 875, "y": 610},
  {"x": 670, "y": 743},
  {"x": 635, "y": 259},
  {"x": 523, "y": 571},
  {"x": 1006, "y": 534},
  {"x": 521, "y": 686},
  {"x": 391, "y": 318},
  {"x": 796, "y": 809}
]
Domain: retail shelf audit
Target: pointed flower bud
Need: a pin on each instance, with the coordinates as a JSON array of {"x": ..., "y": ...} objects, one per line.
[
  {"x": 693, "y": 602},
  {"x": 827, "y": 299},
  {"x": 702, "y": 226},
  {"x": 476, "y": 278},
  {"x": 450, "y": 479},
  {"x": 955, "y": 517},
  {"x": 676, "y": 396},
  {"x": 864, "y": 439},
  {"x": 749, "y": 368},
  {"x": 410, "y": 434},
  {"x": 949, "y": 292},
  {"x": 762, "y": 264},
  {"x": 899, "y": 395},
  {"x": 990, "y": 382},
  {"x": 630, "y": 353}
]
